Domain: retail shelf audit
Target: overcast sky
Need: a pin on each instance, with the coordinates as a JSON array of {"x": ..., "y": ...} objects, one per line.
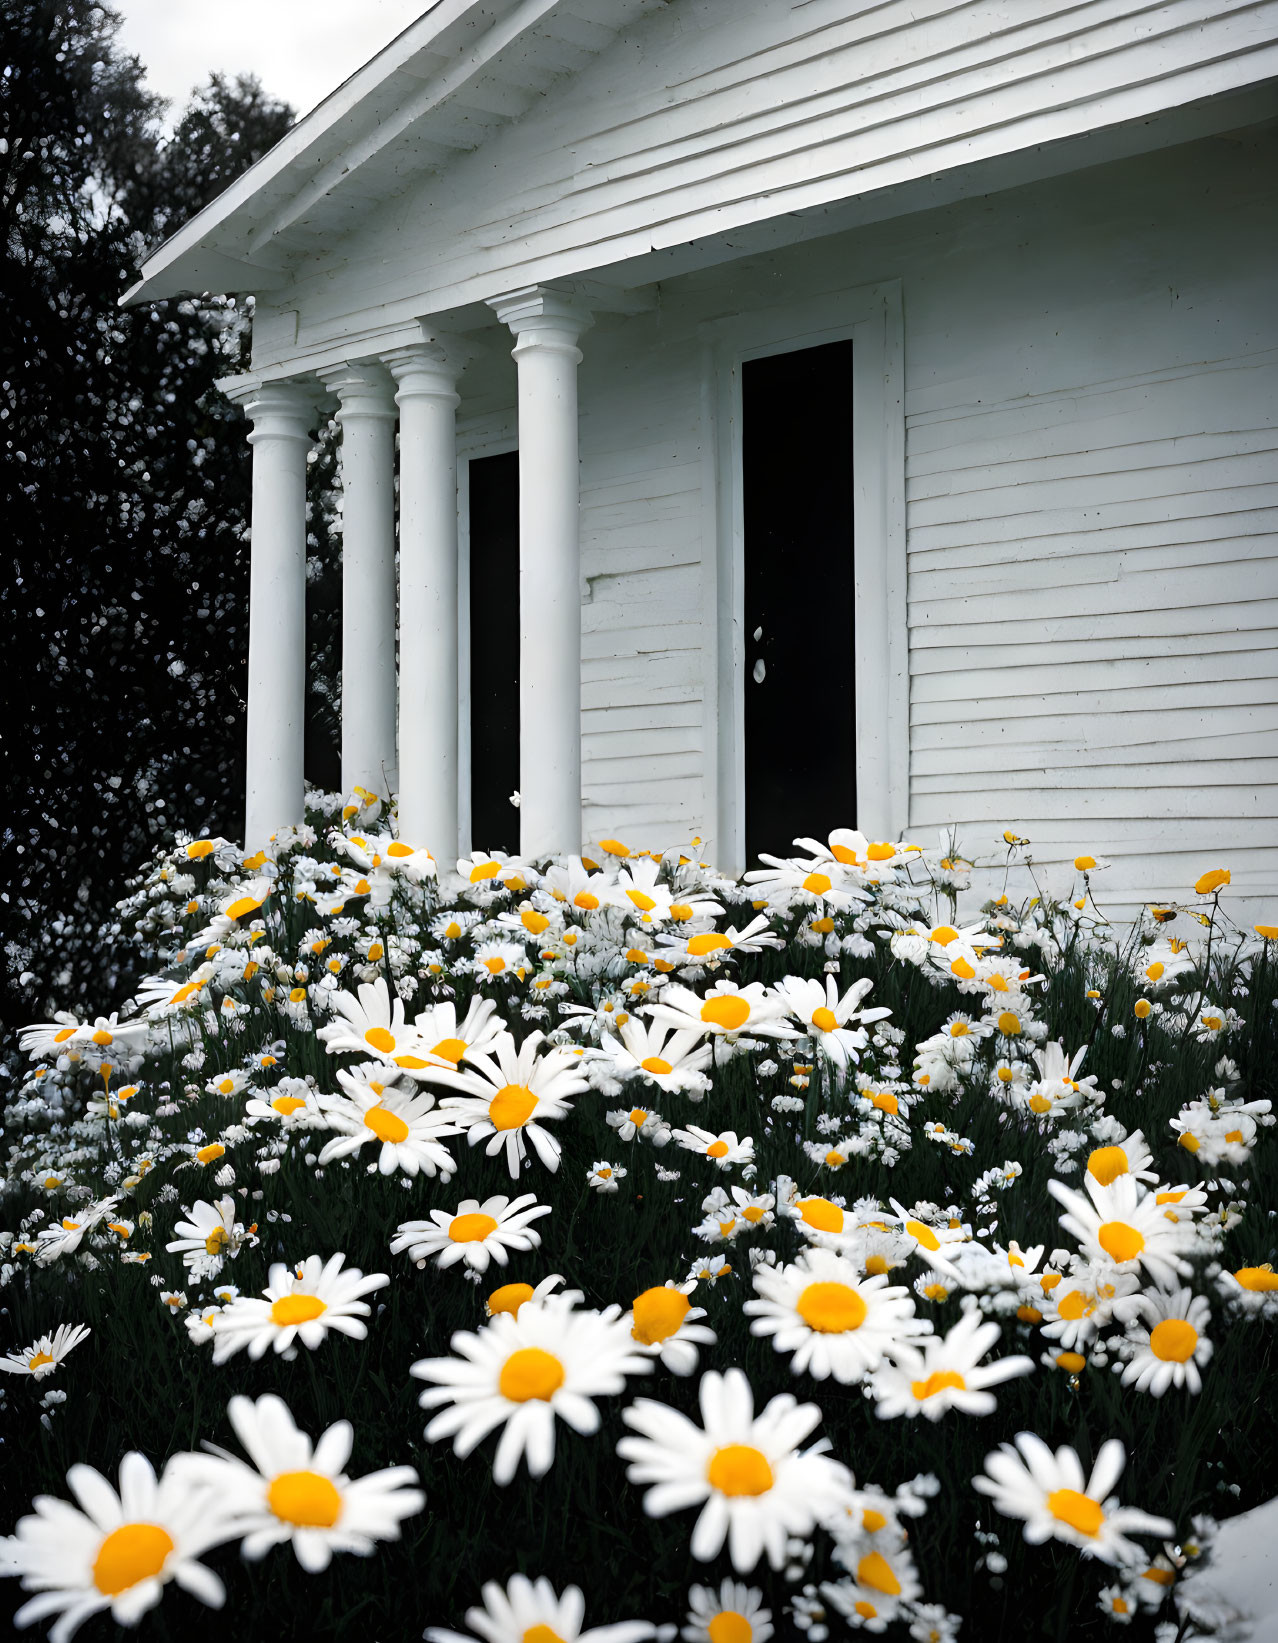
[{"x": 299, "y": 49}]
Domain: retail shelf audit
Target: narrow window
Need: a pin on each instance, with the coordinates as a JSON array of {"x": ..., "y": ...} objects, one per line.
[
  {"x": 800, "y": 676},
  {"x": 494, "y": 650}
]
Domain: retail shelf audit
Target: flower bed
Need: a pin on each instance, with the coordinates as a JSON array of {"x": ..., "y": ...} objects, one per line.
[{"x": 768, "y": 1257}]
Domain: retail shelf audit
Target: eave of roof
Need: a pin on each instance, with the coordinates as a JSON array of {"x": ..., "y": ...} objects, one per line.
[{"x": 462, "y": 69}]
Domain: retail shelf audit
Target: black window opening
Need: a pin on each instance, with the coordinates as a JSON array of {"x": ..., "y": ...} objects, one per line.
[
  {"x": 494, "y": 650},
  {"x": 800, "y": 676}
]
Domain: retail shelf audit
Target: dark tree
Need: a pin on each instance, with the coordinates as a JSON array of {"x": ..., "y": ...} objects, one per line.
[{"x": 124, "y": 599}]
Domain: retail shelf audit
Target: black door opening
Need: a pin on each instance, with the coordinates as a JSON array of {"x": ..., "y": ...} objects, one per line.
[
  {"x": 494, "y": 650},
  {"x": 800, "y": 678}
]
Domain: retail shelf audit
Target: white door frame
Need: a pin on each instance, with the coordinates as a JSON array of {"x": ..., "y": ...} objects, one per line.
[
  {"x": 491, "y": 434},
  {"x": 872, "y": 318}
]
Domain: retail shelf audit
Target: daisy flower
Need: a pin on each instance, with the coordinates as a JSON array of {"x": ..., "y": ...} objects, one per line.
[
  {"x": 1166, "y": 1329},
  {"x": 1050, "y": 1493},
  {"x": 373, "y": 1022},
  {"x": 725, "y": 1012},
  {"x": 734, "y": 1613},
  {"x": 297, "y": 1491},
  {"x": 672, "y": 1059},
  {"x": 303, "y": 1303},
  {"x": 530, "y": 1612},
  {"x": 836, "y": 1321},
  {"x": 640, "y": 1121},
  {"x": 42, "y": 1357},
  {"x": 945, "y": 1374},
  {"x": 446, "y": 1041},
  {"x": 663, "y": 1320},
  {"x": 500, "y": 961},
  {"x": 881, "y": 1581},
  {"x": 510, "y": 1092},
  {"x": 1130, "y": 1156},
  {"x": 790, "y": 881},
  {"x": 64, "y": 1237},
  {"x": 474, "y": 1233},
  {"x": 725, "y": 1149},
  {"x": 1124, "y": 1227},
  {"x": 408, "y": 1127},
  {"x": 520, "y": 1371},
  {"x": 757, "y": 1487},
  {"x": 209, "y": 1235},
  {"x": 603, "y": 1176},
  {"x": 1075, "y": 1309},
  {"x": 709, "y": 947},
  {"x": 834, "y": 1023},
  {"x": 117, "y": 1551}
]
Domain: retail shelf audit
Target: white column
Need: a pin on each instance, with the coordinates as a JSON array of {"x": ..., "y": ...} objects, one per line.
[
  {"x": 547, "y": 324},
  {"x": 428, "y": 775},
  {"x": 282, "y": 414},
  {"x": 366, "y": 396}
]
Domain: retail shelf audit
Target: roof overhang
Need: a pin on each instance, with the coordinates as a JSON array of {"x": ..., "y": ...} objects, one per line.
[{"x": 464, "y": 69}]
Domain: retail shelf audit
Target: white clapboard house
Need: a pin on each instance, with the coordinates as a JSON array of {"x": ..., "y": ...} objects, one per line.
[{"x": 758, "y": 414}]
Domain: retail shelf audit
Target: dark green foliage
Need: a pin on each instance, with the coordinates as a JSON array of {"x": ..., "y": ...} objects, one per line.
[{"x": 124, "y": 598}]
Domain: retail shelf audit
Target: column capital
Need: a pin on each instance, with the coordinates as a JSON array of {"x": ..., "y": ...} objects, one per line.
[
  {"x": 547, "y": 316},
  {"x": 277, "y": 410},
  {"x": 364, "y": 388},
  {"x": 428, "y": 370}
]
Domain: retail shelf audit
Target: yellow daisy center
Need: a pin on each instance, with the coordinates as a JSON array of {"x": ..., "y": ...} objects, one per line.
[
  {"x": 530, "y": 1373},
  {"x": 1259, "y": 1279},
  {"x": 291, "y": 1310},
  {"x": 308, "y": 1499},
  {"x": 728, "y": 1011},
  {"x": 817, "y": 884},
  {"x": 737, "y": 1469},
  {"x": 655, "y": 1064},
  {"x": 1173, "y": 1340},
  {"x": 512, "y": 1107},
  {"x": 710, "y": 942},
  {"x": 533, "y": 921},
  {"x": 825, "y": 1019},
  {"x": 217, "y": 1241},
  {"x": 1106, "y": 1164},
  {"x": 37, "y": 1360},
  {"x": 540, "y": 1634},
  {"x": 509, "y": 1298},
  {"x": 484, "y": 870},
  {"x": 831, "y": 1309},
  {"x": 939, "y": 1380},
  {"x": 385, "y": 1124},
  {"x": 875, "y": 1571},
  {"x": 1120, "y": 1241},
  {"x": 380, "y": 1039},
  {"x": 658, "y": 1314},
  {"x": 729, "y": 1626},
  {"x": 286, "y": 1105},
  {"x": 1081, "y": 1512},
  {"x": 923, "y": 1233},
  {"x": 821, "y": 1215},
  {"x": 129, "y": 1554},
  {"x": 471, "y": 1229}
]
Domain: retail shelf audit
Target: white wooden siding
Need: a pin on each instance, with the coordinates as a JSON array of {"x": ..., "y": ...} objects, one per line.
[
  {"x": 1092, "y": 467},
  {"x": 644, "y": 744},
  {"x": 713, "y": 114},
  {"x": 1138, "y": 705}
]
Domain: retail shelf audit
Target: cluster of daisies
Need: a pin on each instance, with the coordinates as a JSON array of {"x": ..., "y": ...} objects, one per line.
[{"x": 906, "y": 1210}]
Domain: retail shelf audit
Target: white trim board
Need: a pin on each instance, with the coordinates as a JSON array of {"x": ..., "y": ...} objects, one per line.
[{"x": 872, "y": 317}]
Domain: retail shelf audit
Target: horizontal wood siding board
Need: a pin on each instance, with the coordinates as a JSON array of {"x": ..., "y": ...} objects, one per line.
[
  {"x": 1162, "y": 698},
  {"x": 1066, "y": 580},
  {"x": 1053, "y": 655},
  {"x": 1203, "y": 529},
  {"x": 1238, "y": 615},
  {"x": 1033, "y": 804}
]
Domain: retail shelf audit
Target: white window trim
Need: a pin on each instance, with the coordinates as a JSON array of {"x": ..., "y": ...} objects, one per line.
[
  {"x": 872, "y": 318},
  {"x": 477, "y": 436}
]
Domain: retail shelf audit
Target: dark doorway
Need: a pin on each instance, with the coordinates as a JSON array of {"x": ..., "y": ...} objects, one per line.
[
  {"x": 494, "y": 650},
  {"x": 800, "y": 678}
]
